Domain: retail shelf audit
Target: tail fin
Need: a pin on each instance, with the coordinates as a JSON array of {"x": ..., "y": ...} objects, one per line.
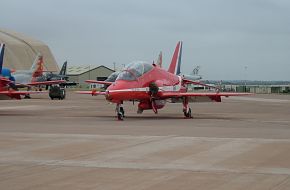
[
  {"x": 37, "y": 67},
  {"x": 159, "y": 60},
  {"x": 63, "y": 69},
  {"x": 2, "y": 47},
  {"x": 174, "y": 67}
]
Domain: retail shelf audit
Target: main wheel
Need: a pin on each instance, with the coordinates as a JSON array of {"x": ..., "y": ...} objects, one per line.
[
  {"x": 120, "y": 117},
  {"x": 27, "y": 97},
  {"x": 187, "y": 114}
]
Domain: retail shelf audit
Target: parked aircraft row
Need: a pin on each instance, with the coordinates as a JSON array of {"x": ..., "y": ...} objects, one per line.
[
  {"x": 12, "y": 81},
  {"x": 5, "y": 83}
]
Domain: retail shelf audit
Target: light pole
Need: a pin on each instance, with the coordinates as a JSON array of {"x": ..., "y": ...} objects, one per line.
[
  {"x": 114, "y": 66},
  {"x": 89, "y": 72},
  {"x": 246, "y": 78}
]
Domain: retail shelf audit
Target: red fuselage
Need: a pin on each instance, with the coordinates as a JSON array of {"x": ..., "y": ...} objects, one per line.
[{"x": 139, "y": 90}]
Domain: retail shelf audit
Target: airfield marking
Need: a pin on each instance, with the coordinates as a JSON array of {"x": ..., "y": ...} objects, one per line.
[
  {"x": 34, "y": 107},
  {"x": 261, "y": 99},
  {"x": 197, "y": 154}
]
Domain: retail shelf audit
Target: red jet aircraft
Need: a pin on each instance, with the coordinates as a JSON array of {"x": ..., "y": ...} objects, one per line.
[{"x": 153, "y": 86}]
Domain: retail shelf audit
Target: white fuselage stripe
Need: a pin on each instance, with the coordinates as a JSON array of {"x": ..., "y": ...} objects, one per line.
[{"x": 174, "y": 88}]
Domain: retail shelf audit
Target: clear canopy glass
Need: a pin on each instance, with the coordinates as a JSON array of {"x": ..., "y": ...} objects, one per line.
[
  {"x": 112, "y": 77},
  {"x": 134, "y": 70}
]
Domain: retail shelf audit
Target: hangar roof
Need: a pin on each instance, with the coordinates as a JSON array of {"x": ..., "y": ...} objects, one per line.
[
  {"x": 78, "y": 70},
  {"x": 20, "y": 51}
]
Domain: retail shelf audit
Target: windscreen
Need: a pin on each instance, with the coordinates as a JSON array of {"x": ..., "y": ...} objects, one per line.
[
  {"x": 113, "y": 76},
  {"x": 134, "y": 70}
]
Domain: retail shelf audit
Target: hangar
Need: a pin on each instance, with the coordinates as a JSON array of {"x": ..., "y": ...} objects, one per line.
[
  {"x": 79, "y": 74},
  {"x": 21, "y": 51}
]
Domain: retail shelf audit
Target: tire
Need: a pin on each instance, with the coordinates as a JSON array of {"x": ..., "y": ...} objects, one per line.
[
  {"x": 188, "y": 114},
  {"x": 120, "y": 117}
]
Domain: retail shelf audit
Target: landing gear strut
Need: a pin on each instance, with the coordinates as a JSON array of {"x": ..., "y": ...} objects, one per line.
[
  {"x": 186, "y": 108},
  {"x": 153, "y": 104},
  {"x": 120, "y": 112}
]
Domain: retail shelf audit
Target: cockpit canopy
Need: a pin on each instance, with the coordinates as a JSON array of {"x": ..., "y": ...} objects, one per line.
[
  {"x": 134, "y": 70},
  {"x": 112, "y": 77}
]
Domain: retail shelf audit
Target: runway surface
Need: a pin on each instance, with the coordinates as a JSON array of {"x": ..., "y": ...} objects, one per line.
[{"x": 241, "y": 143}]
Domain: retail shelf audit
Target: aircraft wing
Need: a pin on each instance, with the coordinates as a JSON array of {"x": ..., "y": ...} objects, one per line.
[
  {"x": 46, "y": 83},
  {"x": 215, "y": 96},
  {"x": 17, "y": 94},
  {"x": 14, "y": 92},
  {"x": 186, "y": 81},
  {"x": 99, "y": 82},
  {"x": 4, "y": 80},
  {"x": 7, "y": 92},
  {"x": 93, "y": 92}
]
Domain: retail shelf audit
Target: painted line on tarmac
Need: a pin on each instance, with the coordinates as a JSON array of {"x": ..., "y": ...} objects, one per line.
[
  {"x": 104, "y": 136},
  {"x": 261, "y": 99},
  {"x": 35, "y": 107}
]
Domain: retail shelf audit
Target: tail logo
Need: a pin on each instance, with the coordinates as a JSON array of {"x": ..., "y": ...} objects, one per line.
[{"x": 39, "y": 68}]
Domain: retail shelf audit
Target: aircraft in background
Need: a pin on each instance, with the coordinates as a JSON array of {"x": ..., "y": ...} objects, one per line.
[
  {"x": 193, "y": 75},
  {"x": 153, "y": 86},
  {"x": 28, "y": 78},
  {"x": 50, "y": 76},
  {"x": 6, "y": 84},
  {"x": 57, "y": 91},
  {"x": 62, "y": 75}
]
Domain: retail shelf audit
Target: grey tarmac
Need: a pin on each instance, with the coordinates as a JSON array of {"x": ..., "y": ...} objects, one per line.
[{"x": 77, "y": 143}]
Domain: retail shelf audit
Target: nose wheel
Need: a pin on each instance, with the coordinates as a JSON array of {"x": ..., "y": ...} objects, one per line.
[{"x": 120, "y": 112}]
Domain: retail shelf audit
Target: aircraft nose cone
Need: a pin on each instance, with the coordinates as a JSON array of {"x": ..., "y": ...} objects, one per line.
[
  {"x": 120, "y": 91},
  {"x": 107, "y": 95}
]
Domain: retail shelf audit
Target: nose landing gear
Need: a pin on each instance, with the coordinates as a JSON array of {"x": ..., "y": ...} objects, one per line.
[{"x": 120, "y": 112}]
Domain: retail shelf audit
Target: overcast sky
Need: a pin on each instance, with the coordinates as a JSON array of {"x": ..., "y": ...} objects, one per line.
[{"x": 229, "y": 39}]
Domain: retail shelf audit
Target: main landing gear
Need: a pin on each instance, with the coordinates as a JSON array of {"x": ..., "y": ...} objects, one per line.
[
  {"x": 120, "y": 112},
  {"x": 186, "y": 108},
  {"x": 27, "y": 96}
]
